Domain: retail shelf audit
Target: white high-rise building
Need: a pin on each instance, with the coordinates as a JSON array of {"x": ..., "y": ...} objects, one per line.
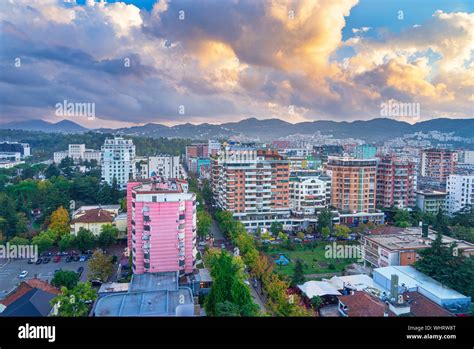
[
  {"x": 166, "y": 166},
  {"x": 118, "y": 160},
  {"x": 307, "y": 195},
  {"x": 460, "y": 189}
]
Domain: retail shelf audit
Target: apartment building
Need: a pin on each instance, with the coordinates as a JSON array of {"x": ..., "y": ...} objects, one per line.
[
  {"x": 396, "y": 182},
  {"x": 77, "y": 152},
  {"x": 438, "y": 164},
  {"x": 251, "y": 183},
  {"x": 460, "y": 190},
  {"x": 166, "y": 166},
  {"x": 161, "y": 226},
  {"x": 308, "y": 195},
  {"x": 431, "y": 201},
  {"x": 118, "y": 161},
  {"x": 352, "y": 183}
]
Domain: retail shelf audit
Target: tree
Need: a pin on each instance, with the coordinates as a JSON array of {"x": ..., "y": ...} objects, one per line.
[
  {"x": 282, "y": 236},
  {"x": 324, "y": 220},
  {"x": 66, "y": 278},
  {"x": 60, "y": 221},
  {"x": 300, "y": 235},
  {"x": 276, "y": 227},
  {"x": 204, "y": 223},
  {"x": 342, "y": 231},
  {"x": 18, "y": 241},
  {"x": 228, "y": 285},
  {"x": 66, "y": 241},
  {"x": 298, "y": 273},
  {"x": 100, "y": 266},
  {"x": 52, "y": 171},
  {"x": 402, "y": 219},
  {"x": 227, "y": 309},
  {"x": 85, "y": 239},
  {"x": 316, "y": 303},
  {"x": 325, "y": 232},
  {"x": 43, "y": 241},
  {"x": 446, "y": 265},
  {"x": 108, "y": 236},
  {"x": 75, "y": 302}
]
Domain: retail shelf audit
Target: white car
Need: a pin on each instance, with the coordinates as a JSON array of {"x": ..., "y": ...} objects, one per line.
[{"x": 23, "y": 274}]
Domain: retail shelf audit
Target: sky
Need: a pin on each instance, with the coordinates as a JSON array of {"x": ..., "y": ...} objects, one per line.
[{"x": 215, "y": 61}]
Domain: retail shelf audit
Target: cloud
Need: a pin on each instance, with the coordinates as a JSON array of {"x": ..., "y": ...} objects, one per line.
[{"x": 227, "y": 59}]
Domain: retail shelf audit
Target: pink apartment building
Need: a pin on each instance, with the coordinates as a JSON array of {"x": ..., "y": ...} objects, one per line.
[{"x": 161, "y": 226}]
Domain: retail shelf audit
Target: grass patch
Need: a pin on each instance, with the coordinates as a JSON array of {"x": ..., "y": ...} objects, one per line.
[{"x": 314, "y": 259}]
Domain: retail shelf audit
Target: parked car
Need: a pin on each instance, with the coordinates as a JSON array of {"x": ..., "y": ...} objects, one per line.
[
  {"x": 202, "y": 243},
  {"x": 76, "y": 258},
  {"x": 298, "y": 240},
  {"x": 39, "y": 261},
  {"x": 59, "y": 269},
  {"x": 82, "y": 258},
  {"x": 56, "y": 259},
  {"x": 80, "y": 270},
  {"x": 31, "y": 261},
  {"x": 68, "y": 258},
  {"x": 23, "y": 274},
  {"x": 46, "y": 260}
]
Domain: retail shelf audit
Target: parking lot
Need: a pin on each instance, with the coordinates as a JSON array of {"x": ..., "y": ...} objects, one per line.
[{"x": 10, "y": 271}]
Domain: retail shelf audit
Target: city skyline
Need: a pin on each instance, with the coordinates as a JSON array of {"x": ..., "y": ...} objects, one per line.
[{"x": 172, "y": 63}]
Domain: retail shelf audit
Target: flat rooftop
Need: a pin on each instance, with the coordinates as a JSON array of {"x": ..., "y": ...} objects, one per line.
[
  {"x": 412, "y": 278},
  {"x": 149, "y": 294}
]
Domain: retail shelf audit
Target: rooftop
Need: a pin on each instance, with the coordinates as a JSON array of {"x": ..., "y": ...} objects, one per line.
[
  {"x": 360, "y": 303},
  {"x": 97, "y": 215},
  {"x": 149, "y": 294},
  {"x": 412, "y": 278}
]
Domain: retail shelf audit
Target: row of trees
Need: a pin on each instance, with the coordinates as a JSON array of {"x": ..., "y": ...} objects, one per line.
[
  {"x": 279, "y": 301},
  {"x": 460, "y": 225}
]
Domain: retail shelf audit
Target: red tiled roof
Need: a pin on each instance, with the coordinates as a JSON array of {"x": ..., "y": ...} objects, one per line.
[
  {"x": 96, "y": 215},
  {"x": 421, "y": 306},
  {"x": 27, "y": 286},
  {"x": 363, "y": 304}
]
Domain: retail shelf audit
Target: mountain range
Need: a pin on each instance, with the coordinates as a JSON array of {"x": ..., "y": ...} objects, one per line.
[{"x": 268, "y": 129}]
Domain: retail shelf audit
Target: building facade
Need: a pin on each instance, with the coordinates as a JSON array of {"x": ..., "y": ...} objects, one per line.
[
  {"x": 460, "y": 190},
  {"x": 431, "y": 201},
  {"x": 396, "y": 182},
  {"x": 161, "y": 226},
  {"x": 118, "y": 161},
  {"x": 77, "y": 152},
  {"x": 166, "y": 166},
  {"x": 252, "y": 184},
  {"x": 438, "y": 164},
  {"x": 307, "y": 195},
  {"x": 352, "y": 183}
]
